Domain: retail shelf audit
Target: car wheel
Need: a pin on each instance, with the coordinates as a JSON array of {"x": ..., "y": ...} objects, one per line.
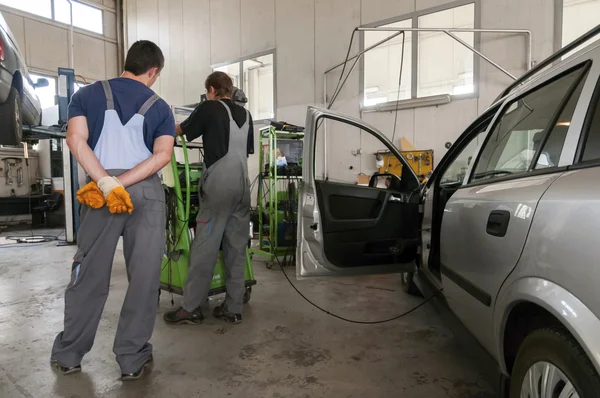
[
  {"x": 408, "y": 284},
  {"x": 11, "y": 132},
  {"x": 550, "y": 363},
  {"x": 247, "y": 294}
]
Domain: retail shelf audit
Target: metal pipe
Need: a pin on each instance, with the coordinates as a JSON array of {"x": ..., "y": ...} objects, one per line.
[
  {"x": 470, "y": 47},
  {"x": 120, "y": 47},
  {"x": 72, "y": 47},
  {"x": 324, "y": 129},
  {"x": 527, "y": 32},
  {"x": 365, "y": 50},
  {"x": 529, "y": 51},
  {"x": 337, "y": 93},
  {"x": 464, "y": 30}
]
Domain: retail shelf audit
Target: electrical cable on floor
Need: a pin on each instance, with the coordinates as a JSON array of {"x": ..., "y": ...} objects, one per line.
[
  {"x": 21, "y": 245},
  {"x": 402, "y": 315}
]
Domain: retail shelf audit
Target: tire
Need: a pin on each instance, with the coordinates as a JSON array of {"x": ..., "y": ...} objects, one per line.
[
  {"x": 11, "y": 132},
  {"x": 247, "y": 294},
  {"x": 556, "y": 347},
  {"x": 408, "y": 284}
]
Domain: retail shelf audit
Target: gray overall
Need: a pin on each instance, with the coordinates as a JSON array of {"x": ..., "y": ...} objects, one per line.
[
  {"x": 120, "y": 148},
  {"x": 224, "y": 217}
]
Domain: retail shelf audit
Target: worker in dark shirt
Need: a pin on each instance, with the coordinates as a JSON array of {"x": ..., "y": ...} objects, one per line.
[{"x": 224, "y": 217}]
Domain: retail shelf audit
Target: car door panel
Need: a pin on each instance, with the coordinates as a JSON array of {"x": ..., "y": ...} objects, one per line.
[
  {"x": 474, "y": 263},
  {"x": 361, "y": 225},
  {"x": 351, "y": 229}
]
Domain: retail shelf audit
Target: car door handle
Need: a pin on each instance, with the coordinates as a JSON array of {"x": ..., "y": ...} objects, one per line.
[
  {"x": 395, "y": 199},
  {"x": 497, "y": 223}
]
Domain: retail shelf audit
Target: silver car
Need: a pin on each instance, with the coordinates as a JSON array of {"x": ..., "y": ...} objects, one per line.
[{"x": 506, "y": 230}]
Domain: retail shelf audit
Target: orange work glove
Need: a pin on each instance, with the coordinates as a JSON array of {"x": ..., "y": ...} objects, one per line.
[
  {"x": 90, "y": 195},
  {"x": 119, "y": 201},
  {"x": 117, "y": 198}
]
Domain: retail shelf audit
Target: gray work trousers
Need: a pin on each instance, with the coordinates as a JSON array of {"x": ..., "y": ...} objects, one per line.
[
  {"x": 224, "y": 217},
  {"x": 143, "y": 234}
]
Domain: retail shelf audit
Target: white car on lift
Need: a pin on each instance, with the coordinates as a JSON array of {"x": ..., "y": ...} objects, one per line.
[{"x": 506, "y": 230}]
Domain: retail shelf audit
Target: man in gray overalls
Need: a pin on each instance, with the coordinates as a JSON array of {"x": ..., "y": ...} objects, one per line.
[
  {"x": 118, "y": 128},
  {"x": 228, "y": 138}
]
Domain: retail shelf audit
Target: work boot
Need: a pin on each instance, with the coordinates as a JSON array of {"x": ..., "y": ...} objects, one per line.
[
  {"x": 139, "y": 373},
  {"x": 221, "y": 312},
  {"x": 65, "y": 370},
  {"x": 181, "y": 316}
]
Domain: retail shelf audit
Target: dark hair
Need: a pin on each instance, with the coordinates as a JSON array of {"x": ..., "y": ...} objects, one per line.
[
  {"x": 221, "y": 82},
  {"x": 143, "y": 56}
]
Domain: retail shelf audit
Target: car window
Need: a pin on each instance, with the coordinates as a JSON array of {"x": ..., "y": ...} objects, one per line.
[
  {"x": 591, "y": 149},
  {"x": 369, "y": 155},
  {"x": 457, "y": 170},
  {"x": 552, "y": 149},
  {"x": 516, "y": 138}
]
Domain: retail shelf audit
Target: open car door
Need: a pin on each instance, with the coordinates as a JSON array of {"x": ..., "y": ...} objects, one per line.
[{"x": 345, "y": 228}]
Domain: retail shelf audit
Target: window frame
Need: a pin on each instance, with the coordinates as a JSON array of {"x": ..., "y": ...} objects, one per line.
[
  {"x": 52, "y": 20},
  {"x": 240, "y": 62},
  {"x": 593, "y": 105},
  {"x": 414, "y": 16},
  {"x": 585, "y": 66},
  {"x": 558, "y": 24},
  {"x": 85, "y": 4},
  {"x": 50, "y": 2}
]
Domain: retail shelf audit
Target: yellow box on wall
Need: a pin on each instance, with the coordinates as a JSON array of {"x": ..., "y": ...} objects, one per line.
[{"x": 421, "y": 161}]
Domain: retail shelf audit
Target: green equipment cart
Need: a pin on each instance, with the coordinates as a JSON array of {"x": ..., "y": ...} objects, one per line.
[
  {"x": 277, "y": 201},
  {"x": 181, "y": 181}
]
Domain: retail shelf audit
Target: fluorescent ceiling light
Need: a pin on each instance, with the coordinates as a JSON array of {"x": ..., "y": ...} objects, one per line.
[{"x": 411, "y": 103}]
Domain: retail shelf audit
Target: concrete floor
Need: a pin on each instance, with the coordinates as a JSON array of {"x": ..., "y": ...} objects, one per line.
[{"x": 284, "y": 348}]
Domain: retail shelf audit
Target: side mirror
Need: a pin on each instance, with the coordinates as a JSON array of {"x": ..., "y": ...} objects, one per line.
[
  {"x": 41, "y": 83},
  {"x": 384, "y": 181}
]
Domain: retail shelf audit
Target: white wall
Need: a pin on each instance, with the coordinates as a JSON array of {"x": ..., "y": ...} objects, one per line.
[{"x": 312, "y": 35}]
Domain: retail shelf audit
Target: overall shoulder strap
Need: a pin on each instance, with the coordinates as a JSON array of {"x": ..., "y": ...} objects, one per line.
[
  {"x": 148, "y": 104},
  {"x": 228, "y": 110},
  {"x": 110, "y": 102}
]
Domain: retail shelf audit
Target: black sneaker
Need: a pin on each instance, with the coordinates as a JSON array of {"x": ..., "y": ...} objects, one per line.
[
  {"x": 139, "y": 373},
  {"x": 64, "y": 369},
  {"x": 221, "y": 312},
  {"x": 181, "y": 316}
]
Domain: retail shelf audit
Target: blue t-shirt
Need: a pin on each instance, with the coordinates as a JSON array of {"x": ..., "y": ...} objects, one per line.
[{"x": 129, "y": 96}]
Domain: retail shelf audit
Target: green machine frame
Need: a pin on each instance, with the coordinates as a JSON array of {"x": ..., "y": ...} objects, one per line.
[
  {"x": 180, "y": 213},
  {"x": 270, "y": 195}
]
